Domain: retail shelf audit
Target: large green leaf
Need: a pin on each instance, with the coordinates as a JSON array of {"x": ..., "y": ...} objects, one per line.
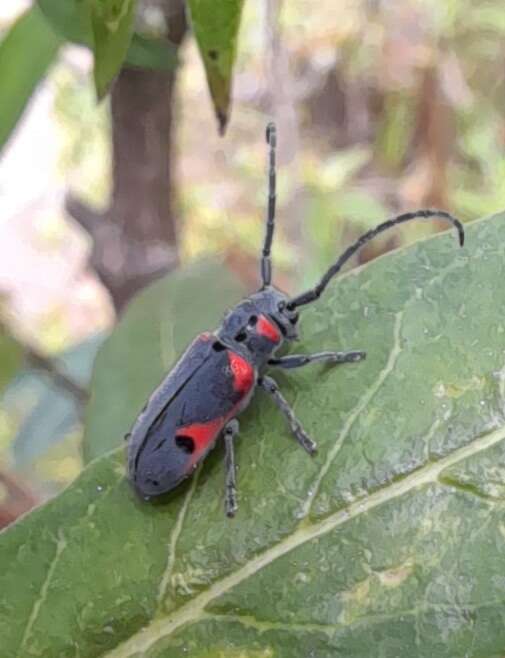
[
  {"x": 391, "y": 541},
  {"x": 152, "y": 333},
  {"x": 216, "y": 26},
  {"x": 26, "y": 52}
]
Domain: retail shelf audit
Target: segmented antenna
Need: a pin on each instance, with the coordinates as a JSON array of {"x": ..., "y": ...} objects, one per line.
[
  {"x": 314, "y": 293},
  {"x": 266, "y": 262}
]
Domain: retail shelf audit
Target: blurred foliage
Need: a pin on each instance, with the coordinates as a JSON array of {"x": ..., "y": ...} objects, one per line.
[
  {"x": 84, "y": 157},
  {"x": 32, "y": 43},
  {"x": 10, "y": 357},
  {"x": 43, "y": 414}
]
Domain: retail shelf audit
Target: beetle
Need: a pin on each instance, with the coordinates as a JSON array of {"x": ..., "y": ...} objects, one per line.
[{"x": 216, "y": 377}]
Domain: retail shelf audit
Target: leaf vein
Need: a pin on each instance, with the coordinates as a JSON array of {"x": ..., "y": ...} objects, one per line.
[
  {"x": 174, "y": 537},
  {"x": 61, "y": 544}
]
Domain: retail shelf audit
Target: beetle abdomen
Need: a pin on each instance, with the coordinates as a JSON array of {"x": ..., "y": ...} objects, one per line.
[{"x": 188, "y": 426}]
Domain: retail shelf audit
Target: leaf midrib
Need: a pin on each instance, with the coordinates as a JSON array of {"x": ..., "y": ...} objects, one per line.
[{"x": 194, "y": 610}]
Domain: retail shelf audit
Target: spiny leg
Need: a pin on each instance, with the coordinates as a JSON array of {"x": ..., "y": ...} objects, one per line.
[
  {"x": 269, "y": 385},
  {"x": 230, "y": 501},
  {"x": 298, "y": 360}
]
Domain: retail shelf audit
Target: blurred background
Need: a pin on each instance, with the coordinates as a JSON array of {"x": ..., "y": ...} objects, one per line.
[{"x": 380, "y": 107}]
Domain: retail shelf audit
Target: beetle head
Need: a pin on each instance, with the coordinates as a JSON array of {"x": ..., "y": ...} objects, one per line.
[{"x": 273, "y": 303}]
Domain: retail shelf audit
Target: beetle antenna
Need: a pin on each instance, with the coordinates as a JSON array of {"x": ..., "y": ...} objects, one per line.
[
  {"x": 266, "y": 262},
  {"x": 314, "y": 293}
]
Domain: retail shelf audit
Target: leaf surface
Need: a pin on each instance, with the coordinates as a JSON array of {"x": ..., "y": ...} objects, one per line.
[
  {"x": 391, "y": 541},
  {"x": 216, "y": 26}
]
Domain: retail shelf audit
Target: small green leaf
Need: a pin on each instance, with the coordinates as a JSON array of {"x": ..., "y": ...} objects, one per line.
[
  {"x": 390, "y": 541},
  {"x": 154, "y": 330},
  {"x": 112, "y": 25},
  {"x": 26, "y": 52},
  {"x": 216, "y": 26}
]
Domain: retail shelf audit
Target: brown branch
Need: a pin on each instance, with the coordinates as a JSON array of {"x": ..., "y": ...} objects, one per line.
[
  {"x": 135, "y": 241},
  {"x": 63, "y": 381}
]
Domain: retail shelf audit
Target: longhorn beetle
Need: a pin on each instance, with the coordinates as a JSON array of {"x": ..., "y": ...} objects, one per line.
[{"x": 215, "y": 378}]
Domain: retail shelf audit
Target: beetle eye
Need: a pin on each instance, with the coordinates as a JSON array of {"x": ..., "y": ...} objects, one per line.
[
  {"x": 253, "y": 320},
  {"x": 241, "y": 336}
]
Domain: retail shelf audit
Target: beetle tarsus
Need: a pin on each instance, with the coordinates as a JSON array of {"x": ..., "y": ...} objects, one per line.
[{"x": 230, "y": 501}]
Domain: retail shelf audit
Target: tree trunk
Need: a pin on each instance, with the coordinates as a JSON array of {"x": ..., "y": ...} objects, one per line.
[{"x": 135, "y": 241}]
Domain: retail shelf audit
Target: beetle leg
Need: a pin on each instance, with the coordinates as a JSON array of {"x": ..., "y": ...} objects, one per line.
[
  {"x": 298, "y": 360},
  {"x": 269, "y": 385},
  {"x": 230, "y": 502}
]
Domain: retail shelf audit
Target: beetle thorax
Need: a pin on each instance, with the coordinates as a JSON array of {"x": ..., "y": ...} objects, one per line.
[{"x": 259, "y": 325}]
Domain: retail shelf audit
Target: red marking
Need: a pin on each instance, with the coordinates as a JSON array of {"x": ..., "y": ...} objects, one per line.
[
  {"x": 267, "y": 329},
  {"x": 203, "y": 434},
  {"x": 243, "y": 373}
]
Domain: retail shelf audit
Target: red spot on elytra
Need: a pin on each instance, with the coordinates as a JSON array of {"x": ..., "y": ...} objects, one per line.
[
  {"x": 267, "y": 329},
  {"x": 202, "y": 434},
  {"x": 243, "y": 372}
]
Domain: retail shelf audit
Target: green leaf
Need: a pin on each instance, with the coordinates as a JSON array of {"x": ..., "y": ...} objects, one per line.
[
  {"x": 158, "y": 323},
  {"x": 216, "y": 26},
  {"x": 26, "y": 52},
  {"x": 389, "y": 542},
  {"x": 72, "y": 20},
  {"x": 112, "y": 26}
]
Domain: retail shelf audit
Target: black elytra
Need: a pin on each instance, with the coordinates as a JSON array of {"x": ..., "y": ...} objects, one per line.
[{"x": 215, "y": 379}]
